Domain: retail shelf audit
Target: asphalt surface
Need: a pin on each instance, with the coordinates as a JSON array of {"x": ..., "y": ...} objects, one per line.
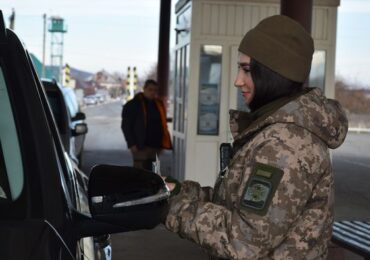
[
  {"x": 105, "y": 145},
  {"x": 351, "y": 163}
]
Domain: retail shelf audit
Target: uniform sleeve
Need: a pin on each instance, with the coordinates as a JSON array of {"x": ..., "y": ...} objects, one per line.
[
  {"x": 240, "y": 233},
  {"x": 127, "y": 123}
]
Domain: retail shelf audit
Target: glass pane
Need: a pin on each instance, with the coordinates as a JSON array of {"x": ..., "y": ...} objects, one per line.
[
  {"x": 11, "y": 154},
  {"x": 209, "y": 90},
  {"x": 317, "y": 75},
  {"x": 55, "y": 104},
  {"x": 177, "y": 83},
  {"x": 183, "y": 26},
  {"x": 186, "y": 84}
]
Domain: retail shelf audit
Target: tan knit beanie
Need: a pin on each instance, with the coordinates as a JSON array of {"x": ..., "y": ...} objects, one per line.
[{"x": 281, "y": 44}]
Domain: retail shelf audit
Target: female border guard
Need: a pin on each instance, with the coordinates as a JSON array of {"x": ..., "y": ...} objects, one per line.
[{"x": 275, "y": 201}]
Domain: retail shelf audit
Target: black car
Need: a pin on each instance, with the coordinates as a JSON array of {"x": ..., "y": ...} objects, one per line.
[
  {"x": 68, "y": 117},
  {"x": 41, "y": 214}
]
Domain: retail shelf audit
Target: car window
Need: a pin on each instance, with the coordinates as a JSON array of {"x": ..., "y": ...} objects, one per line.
[
  {"x": 4, "y": 184},
  {"x": 71, "y": 100},
  {"x": 55, "y": 104},
  {"x": 11, "y": 170}
]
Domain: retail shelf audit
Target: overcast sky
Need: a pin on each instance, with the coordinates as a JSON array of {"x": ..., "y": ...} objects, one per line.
[{"x": 114, "y": 34}]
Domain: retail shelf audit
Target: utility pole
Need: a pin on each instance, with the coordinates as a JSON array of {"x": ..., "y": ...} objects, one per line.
[{"x": 43, "y": 47}]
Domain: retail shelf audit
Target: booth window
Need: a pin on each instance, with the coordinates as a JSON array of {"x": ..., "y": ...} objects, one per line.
[
  {"x": 317, "y": 75},
  {"x": 209, "y": 90}
]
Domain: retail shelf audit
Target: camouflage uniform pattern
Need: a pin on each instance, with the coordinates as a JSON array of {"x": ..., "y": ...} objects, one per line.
[{"x": 294, "y": 138}]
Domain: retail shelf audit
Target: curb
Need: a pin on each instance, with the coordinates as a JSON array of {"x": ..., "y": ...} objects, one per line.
[{"x": 359, "y": 130}]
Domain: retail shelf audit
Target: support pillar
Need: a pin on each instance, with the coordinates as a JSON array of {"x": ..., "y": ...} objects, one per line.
[
  {"x": 299, "y": 10},
  {"x": 163, "y": 48}
]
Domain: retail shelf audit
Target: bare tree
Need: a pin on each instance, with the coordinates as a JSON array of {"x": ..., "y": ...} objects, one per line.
[{"x": 354, "y": 98}]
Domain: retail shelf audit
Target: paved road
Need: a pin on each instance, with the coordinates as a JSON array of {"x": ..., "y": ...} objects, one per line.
[
  {"x": 351, "y": 164},
  {"x": 105, "y": 144}
]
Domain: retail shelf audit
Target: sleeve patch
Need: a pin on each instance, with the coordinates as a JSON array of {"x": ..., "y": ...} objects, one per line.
[{"x": 260, "y": 188}]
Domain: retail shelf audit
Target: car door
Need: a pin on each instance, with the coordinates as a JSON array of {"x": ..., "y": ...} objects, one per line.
[
  {"x": 34, "y": 205},
  {"x": 39, "y": 218}
]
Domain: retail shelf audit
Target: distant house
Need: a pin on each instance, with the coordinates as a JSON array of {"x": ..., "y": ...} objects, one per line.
[
  {"x": 82, "y": 79},
  {"x": 88, "y": 85},
  {"x": 89, "y": 82},
  {"x": 107, "y": 80}
]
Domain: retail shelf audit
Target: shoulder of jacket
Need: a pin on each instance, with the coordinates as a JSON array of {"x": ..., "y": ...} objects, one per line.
[
  {"x": 136, "y": 100},
  {"x": 288, "y": 139},
  {"x": 283, "y": 133}
]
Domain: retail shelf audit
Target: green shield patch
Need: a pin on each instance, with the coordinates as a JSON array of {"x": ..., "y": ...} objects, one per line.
[{"x": 260, "y": 188}]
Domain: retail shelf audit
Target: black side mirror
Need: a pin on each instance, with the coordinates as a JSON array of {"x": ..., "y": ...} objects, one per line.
[
  {"x": 79, "y": 116},
  {"x": 80, "y": 129},
  {"x": 126, "y": 196}
]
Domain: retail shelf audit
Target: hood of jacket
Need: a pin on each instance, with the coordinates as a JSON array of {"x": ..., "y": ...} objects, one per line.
[{"x": 311, "y": 110}]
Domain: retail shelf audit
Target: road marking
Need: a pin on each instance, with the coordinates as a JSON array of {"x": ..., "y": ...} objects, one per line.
[{"x": 357, "y": 163}]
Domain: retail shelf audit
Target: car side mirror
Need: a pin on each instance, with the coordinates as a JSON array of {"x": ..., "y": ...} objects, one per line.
[
  {"x": 127, "y": 196},
  {"x": 79, "y": 116},
  {"x": 79, "y": 129}
]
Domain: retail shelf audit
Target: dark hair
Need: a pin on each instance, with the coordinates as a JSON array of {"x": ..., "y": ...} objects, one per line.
[
  {"x": 270, "y": 85},
  {"x": 150, "y": 82}
]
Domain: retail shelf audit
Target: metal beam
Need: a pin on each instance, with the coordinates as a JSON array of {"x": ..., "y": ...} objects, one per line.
[
  {"x": 299, "y": 10},
  {"x": 163, "y": 48}
]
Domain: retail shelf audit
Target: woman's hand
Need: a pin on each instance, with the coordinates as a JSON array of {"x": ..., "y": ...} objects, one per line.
[{"x": 171, "y": 185}]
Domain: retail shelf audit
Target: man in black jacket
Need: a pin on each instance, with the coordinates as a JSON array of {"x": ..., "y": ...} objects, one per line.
[{"x": 144, "y": 126}]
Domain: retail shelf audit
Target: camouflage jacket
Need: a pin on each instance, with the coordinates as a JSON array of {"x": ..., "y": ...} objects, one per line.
[{"x": 276, "y": 199}]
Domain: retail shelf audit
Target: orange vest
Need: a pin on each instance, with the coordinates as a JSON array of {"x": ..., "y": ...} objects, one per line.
[{"x": 166, "y": 139}]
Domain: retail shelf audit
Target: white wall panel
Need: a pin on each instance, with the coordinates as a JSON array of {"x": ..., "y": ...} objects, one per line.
[
  {"x": 215, "y": 20},
  {"x": 235, "y": 19},
  {"x": 273, "y": 10},
  {"x": 239, "y": 13},
  {"x": 206, "y": 163},
  {"x": 320, "y": 24},
  {"x": 223, "y": 20},
  {"x": 206, "y": 18},
  {"x": 230, "y": 20}
]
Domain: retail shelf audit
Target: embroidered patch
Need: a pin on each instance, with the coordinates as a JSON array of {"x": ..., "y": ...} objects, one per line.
[{"x": 260, "y": 188}]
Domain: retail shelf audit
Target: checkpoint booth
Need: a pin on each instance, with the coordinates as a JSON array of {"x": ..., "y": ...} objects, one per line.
[{"x": 208, "y": 33}]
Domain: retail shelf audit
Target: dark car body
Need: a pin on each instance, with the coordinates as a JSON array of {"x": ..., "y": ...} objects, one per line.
[
  {"x": 42, "y": 214},
  {"x": 68, "y": 117}
]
